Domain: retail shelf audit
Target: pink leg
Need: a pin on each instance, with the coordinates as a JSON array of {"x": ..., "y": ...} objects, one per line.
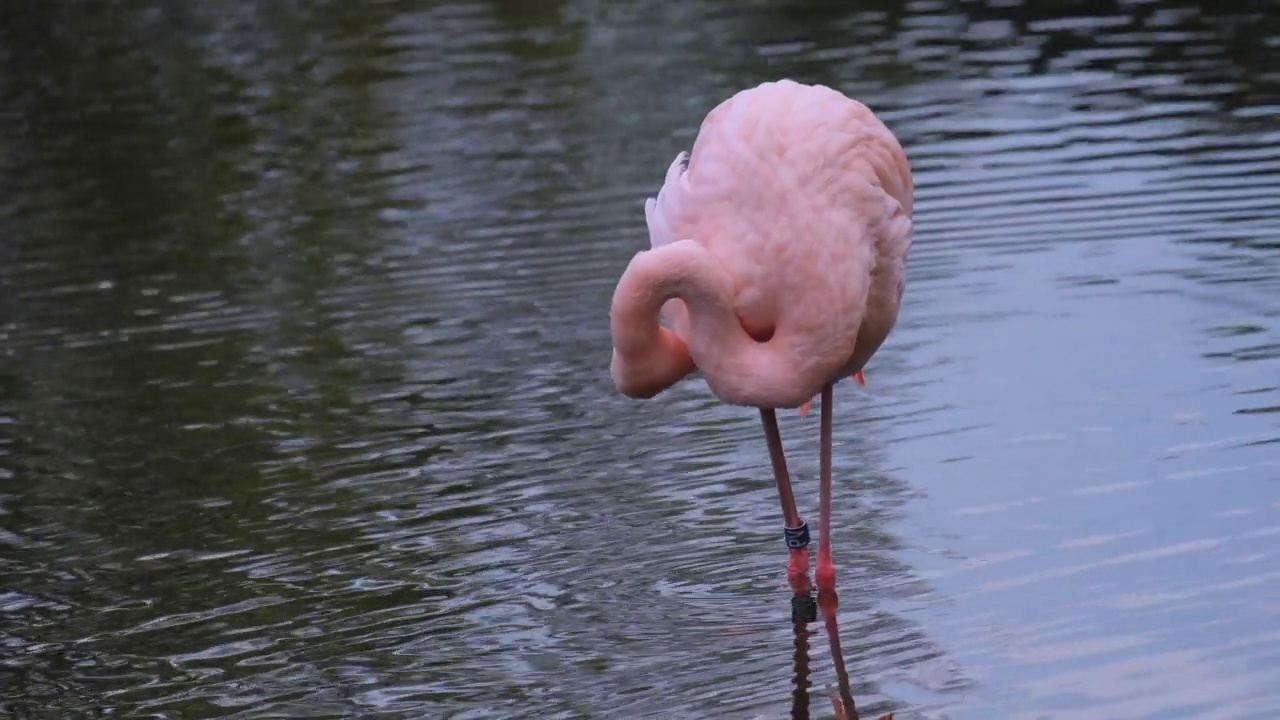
[
  {"x": 825, "y": 573},
  {"x": 798, "y": 564}
]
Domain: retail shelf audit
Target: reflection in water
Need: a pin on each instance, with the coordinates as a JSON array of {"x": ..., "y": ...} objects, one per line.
[
  {"x": 803, "y": 611},
  {"x": 304, "y": 413}
]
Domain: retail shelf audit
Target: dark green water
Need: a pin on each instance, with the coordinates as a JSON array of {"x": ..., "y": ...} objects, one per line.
[{"x": 304, "y": 402}]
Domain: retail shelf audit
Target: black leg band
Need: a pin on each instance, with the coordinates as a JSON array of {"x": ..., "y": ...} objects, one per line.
[{"x": 796, "y": 537}]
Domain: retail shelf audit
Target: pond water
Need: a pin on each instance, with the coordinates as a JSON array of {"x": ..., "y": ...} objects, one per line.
[{"x": 305, "y": 408}]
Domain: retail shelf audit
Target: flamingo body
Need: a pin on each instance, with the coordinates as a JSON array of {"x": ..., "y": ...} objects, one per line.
[{"x": 777, "y": 251}]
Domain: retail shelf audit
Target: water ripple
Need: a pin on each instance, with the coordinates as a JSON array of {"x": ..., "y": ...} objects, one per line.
[{"x": 306, "y": 410}]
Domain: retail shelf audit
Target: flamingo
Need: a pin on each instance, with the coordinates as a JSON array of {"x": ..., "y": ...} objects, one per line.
[{"x": 777, "y": 262}]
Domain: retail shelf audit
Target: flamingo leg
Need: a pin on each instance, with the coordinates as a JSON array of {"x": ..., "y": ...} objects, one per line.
[
  {"x": 795, "y": 531},
  {"x": 825, "y": 572}
]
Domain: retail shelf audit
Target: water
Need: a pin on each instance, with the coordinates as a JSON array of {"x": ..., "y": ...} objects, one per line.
[{"x": 306, "y": 410}]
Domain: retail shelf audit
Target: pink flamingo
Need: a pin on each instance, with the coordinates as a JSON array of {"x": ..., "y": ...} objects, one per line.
[{"x": 777, "y": 260}]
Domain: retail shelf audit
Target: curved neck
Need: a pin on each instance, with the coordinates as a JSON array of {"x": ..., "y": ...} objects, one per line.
[{"x": 648, "y": 358}]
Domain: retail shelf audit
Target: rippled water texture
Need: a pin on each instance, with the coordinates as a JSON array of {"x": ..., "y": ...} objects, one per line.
[{"x": 304, "y": 403}]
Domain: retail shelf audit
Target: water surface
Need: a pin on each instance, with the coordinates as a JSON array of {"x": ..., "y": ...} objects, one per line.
[{"x": 305, "y": 405}]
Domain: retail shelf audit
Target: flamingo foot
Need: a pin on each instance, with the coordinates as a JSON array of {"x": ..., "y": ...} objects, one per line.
[
  {"x": 859, "y": 378},
  {"x": 804, "y": 410}
]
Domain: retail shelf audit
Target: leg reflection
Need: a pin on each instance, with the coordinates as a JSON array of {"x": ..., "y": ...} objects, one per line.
[
  {"x": 828, "y": 602},
  {"x": 803, "y": 611}
]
